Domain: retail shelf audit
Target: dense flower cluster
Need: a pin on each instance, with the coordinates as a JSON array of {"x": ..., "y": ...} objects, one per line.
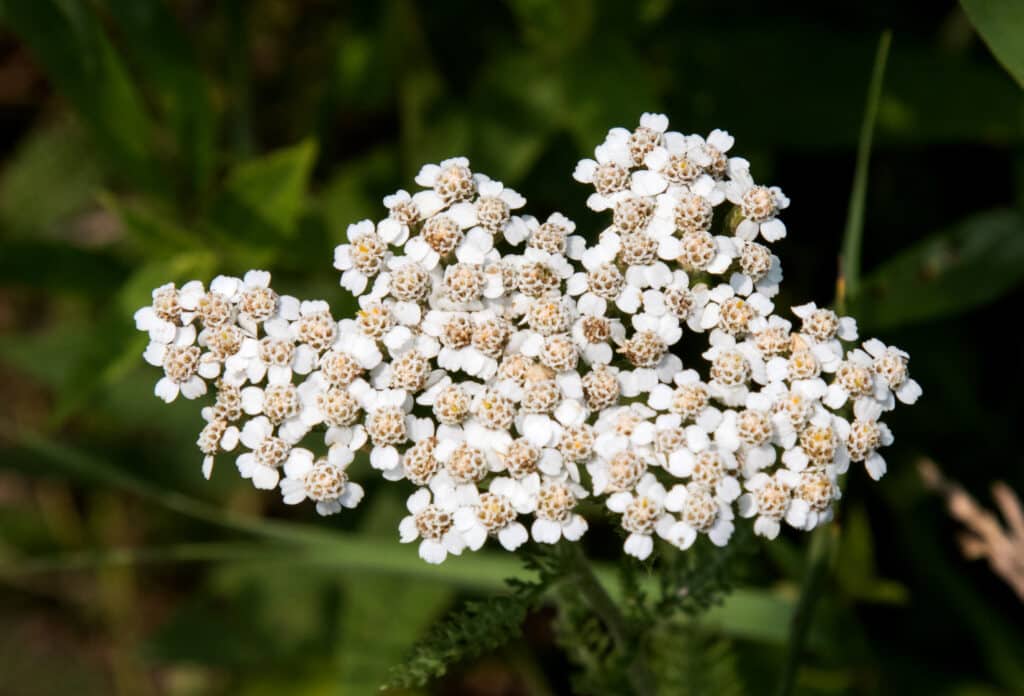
[{"x": 507, "y": 369}]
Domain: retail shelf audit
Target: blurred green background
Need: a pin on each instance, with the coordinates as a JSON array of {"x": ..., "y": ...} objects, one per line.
[{"x": 149, "y": 140}]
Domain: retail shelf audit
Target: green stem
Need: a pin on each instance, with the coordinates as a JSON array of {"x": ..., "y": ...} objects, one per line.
[
  {"x": 824, "y": 542},
  {"x": 604, "y": 606},
  {"x": 850, "y": 264}
]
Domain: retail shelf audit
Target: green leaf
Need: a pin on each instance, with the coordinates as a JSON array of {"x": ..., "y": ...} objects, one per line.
[
  {"x": 1001, "y": 24},
  {"x": 366, "y": 653},
  {"x": 69, "y": 41},
  {"x": 54, "y": 267},
  {"x": 262, "y": 198},
  {"x": 58, "y": 159},
  {"x": 114, "y": 346},
  {"x": 948, "y": 273},
  {"x": 855, "y": 565},
  {"x": 754, "y": 614},
  {"x": 152, "y": 228},
  {"x": 351, "y": 193},
  {"x": 169, "y": 71}
]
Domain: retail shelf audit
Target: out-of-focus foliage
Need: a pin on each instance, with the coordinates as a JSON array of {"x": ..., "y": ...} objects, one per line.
[{"x": 153, "y": 140}]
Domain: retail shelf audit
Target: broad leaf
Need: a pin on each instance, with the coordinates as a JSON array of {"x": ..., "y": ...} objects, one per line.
[
  {"x": 948, "y": 273},
  {"x": 1001, "y": 25}
]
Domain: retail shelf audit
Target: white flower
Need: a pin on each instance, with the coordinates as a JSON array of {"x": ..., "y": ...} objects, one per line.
[
  {"x": 394, "y": 229},
  {"x": 354, "y": 343},
  {"x": 161, "y": 318},
  {"x": 455, "y": 279},
  {"x": 769, "y": 500},
  {"x": 612, "y": 162},
  {"x": 257, "y": 303},
  {"x": 755, "y": 457},
  {"x": 702, "y": 511},
  {"x": 269, "y": 452},
  {"x": 765, "y": 281},
  {"x": 285, "y": 405},
  {"x": 276, "y": 356},
  {"x": 432, "y": 519},
  {"x": 589, "y": 335},
  {"x": 759, "y": 205},
  {"x": 390, "y": 423},
  {"x": 183, "y": 369},
  {"x": 890, "y": 364},
  {"x": 725, "y": 296},
  {"x": 364, "y": 256},
  {"x": 643, "y": 514},
  {"x": 490, "y": 513},
  {"x": 217, "y": 436},
  {"x": 812, "y": 499},
  {"x": 320, "y": 481}
]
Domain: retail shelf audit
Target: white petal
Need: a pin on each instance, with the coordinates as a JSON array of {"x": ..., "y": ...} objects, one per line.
[
  {"x": 639, "y": 545},
  {"x": 167, "y": 389},
  {"x": 513, "y": 536},
  {"x": 546, "y": 531},
  {"x": 265, "y": 478},
  {"x": 432, "y": 551}
]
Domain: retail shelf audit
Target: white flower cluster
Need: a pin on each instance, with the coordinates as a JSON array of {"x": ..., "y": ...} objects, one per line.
[{"x": 507, "y": 369}]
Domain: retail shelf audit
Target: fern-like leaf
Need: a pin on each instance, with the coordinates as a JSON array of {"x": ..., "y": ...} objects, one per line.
[
  {"x": 478, "y": 627},
  {"x": 698, "y": 579},
  {"x": 690, "y": 662}
]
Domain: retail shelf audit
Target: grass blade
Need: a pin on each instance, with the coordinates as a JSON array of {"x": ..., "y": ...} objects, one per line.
[{"x": 849, "y": 279}]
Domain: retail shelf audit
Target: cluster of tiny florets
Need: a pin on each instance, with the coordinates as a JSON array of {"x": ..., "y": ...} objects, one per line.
[{"x": 508, "y": 369}]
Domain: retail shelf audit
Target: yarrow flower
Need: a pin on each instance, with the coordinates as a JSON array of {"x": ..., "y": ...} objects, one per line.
[{"x": 504, "y": 369}]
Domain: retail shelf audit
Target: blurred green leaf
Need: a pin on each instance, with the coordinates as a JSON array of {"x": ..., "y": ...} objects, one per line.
[
  {"x": 57, "y": 267},
  {"x": 1001, "y": 25},
  {"x": 950, "y": 272},
  {"x": 70, "y": 42},
  {"x": 350, "y": 194},
  {"x": 168, "y": 69},
  {"x": 262, "y": 197},
  {"x": 52, "y": 175},
  {"x": 113, "y": 345},
  {"x": 365, "y": 652},
  {"x": 748, "y": 613},
  {"x": 570, "y": 21},
  {"x": 156, "y": 232},
  {"x": 855, "y": 565},
  {"x": 814, "y": 107}
]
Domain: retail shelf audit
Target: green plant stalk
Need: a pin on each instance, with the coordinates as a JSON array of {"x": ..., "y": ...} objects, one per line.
[
  {"x": 849, "y": 280},
  {"x": 604, "y": 606},
  {"x": 824, "y": 540},
  {"x": 820, "y": 557}
]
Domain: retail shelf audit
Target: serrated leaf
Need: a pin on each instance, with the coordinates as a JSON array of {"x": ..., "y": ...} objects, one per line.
[
  {"x": 948, "y": 273},
  {"x": 1001, "y": 25}
]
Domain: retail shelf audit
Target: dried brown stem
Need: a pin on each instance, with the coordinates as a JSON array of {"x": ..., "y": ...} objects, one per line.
[{"x": 985, "y": 537}]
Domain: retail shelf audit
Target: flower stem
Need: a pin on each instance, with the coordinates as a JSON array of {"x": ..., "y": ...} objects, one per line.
[
  {"x": 604, "y": 606},
  {"x": 823, "y": 546},
  {"x": 849, "y": 286}
]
